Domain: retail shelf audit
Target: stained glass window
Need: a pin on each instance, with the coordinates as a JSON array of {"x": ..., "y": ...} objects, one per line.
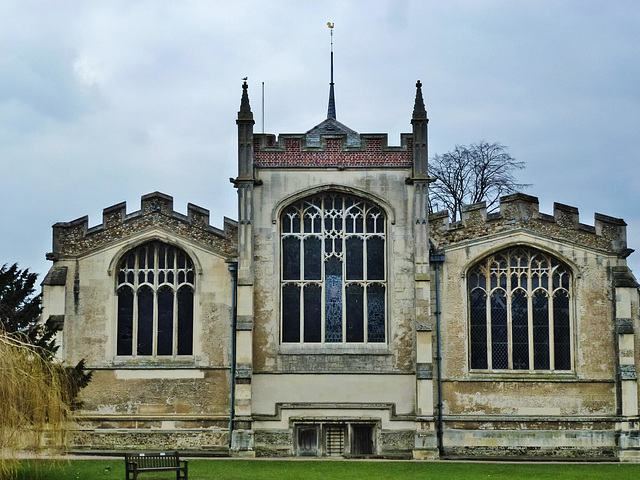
[
  {"x": 155, "y": 302},
  {"x": 520, "y": 312},
  {"x": 333, "y": 271}
]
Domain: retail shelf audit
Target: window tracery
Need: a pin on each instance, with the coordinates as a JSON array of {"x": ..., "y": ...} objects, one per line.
[
  {"x": 155, "y": 290},
  {"x": 333, "y": 271},
  {"x": 520, "y": 314}
]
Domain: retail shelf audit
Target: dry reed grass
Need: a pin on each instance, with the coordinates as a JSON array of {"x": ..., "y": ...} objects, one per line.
[{"x": 34, "y": 417}]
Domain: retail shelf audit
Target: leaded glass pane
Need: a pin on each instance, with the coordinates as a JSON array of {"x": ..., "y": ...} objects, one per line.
[
  {"x": 540, "y": 305},
  {"x": 290, "y": 313},
  {"x": 333, "y": 300},
  {"x": 125, "y": 321},
  {"x": 355, "y": 264},
  {"x": 520, "y": 330},
  {"x": 165, "y": 321},
  {"x": 499, "y": 332},
  {"x": 151, "y": 256},
  {"x": 185, "y": 321},
  {"x": 312, "y": 313},
  {"x": 145, "y": 321},
  {"x": 561, "y": 331},
  {"x": 170, "y": 257},
  {"x": 312, "y": 258},
  {"x": 375, "y": 258},
  {"x": 376, "y": 313},
  {"x": 478, "y": 322},
  {"x": 161, "y": 256},
  {"x": 544, "y": 281},
  {"x": 355, "y": 313},
  {"x": 291, "y": 258}
]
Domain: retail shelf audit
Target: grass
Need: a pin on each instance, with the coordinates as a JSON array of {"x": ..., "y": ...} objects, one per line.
[{"x": 224, "y": 469}]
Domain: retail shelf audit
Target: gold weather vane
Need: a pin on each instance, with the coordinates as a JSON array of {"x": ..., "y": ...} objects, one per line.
[{"x": 330, "y": 25}]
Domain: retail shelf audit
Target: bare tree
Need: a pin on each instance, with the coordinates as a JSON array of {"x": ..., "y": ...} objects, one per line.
[{"x": 471, "y": 174}]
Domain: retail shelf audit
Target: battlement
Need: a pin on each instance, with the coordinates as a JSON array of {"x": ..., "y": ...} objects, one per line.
[
  {"x": 522, "y": 211},
  {"x": 75, "y": 237},
  {"x": 313, "y": 149}
]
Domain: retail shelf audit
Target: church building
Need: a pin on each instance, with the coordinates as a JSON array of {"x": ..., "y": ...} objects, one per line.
[{"x": 337, "y": 317}]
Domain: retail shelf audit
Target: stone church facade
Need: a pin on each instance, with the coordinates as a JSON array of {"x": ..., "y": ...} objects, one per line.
[{"x": 336, "y": 317}]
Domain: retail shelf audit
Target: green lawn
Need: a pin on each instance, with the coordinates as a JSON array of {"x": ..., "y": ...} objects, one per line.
[{"x": 219, "y": 469}]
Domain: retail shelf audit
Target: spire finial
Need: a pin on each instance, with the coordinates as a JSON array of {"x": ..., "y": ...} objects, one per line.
[
  {"x": 419, "y": 112},
  {"x": 245, "y": 109},
  {"x": 331, "y": 111}
]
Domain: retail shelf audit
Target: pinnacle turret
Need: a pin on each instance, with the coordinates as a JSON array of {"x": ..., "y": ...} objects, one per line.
[
  {"x": 245, "y": 109},
  {"x": 419, "y": 112}
]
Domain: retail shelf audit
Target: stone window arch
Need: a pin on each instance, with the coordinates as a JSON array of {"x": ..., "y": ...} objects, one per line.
[
  {"x": 333, "y": 270},
  {"x": 520, "y": 312},
  {"x": 155, "y": 294}
]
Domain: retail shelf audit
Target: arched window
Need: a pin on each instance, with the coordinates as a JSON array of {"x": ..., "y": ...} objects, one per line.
[
  {"x": 333, "y": 271},
  {"x": 520, "y": 315},
  {"x": 155, "y": 291}
]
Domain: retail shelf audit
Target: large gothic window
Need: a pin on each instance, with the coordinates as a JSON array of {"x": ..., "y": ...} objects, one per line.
[
  {"x": 155, "y": 302},
  {"x": 333, "y": 274},
  {"x": 520, "y": 312}
]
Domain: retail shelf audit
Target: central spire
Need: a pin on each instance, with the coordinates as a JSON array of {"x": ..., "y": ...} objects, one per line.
[{"x": 331, "y": 111}]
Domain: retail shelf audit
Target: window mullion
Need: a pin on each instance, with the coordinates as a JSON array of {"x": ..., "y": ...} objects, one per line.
[
  {"x": 530, "y": 330},
  {"x": 365, "y": 284},
  {"x": 323, "y": 279},
  {"x": 552, "y": 346},
  {"x": 489, "y": 337},
  {"x": 154, "y": 336},
  {"x": 134, "y": 339},
  {"x": 174, "y": 335},
  {"x": 301, "y": 277},
  {"x": 509, "y": 294},
  {"x": 343, "y": 262}
]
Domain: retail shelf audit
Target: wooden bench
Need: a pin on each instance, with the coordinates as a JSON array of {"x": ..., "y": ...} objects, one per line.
[{"x": 137, "y": 463}]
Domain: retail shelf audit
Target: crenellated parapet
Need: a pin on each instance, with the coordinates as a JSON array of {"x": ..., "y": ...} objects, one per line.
[
  {"x": 75, "y": 237},
  {"x": 340, "y": 149},
  {"x": 520, "y": 211}
]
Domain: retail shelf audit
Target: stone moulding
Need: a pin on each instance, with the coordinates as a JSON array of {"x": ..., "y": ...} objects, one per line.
[
  {"x": 424, "y": 371},
  {"x": 279, "y": 407},
  {"x": 628, "y": 372},
  {"x": 624, "y": 325}
]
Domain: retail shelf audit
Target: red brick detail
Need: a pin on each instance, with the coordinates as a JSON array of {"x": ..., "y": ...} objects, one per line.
[{"x": 334, "y": 156}]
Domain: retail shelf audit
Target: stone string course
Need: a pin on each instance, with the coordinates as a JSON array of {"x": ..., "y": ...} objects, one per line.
[
  {"x": 73, "y": 238},
  {"x": 522, "y": 211},
  {"x": 292, "y": 151}
]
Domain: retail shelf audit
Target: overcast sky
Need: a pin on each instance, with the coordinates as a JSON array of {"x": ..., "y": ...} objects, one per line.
[{"x": 105, "y": 101}]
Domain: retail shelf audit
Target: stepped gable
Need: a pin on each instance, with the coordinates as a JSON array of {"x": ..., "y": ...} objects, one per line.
[
  {"x": 520, "y": 211},
  {"x": 331, "y": 144},
  {"x": 74, "y": 238}
]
